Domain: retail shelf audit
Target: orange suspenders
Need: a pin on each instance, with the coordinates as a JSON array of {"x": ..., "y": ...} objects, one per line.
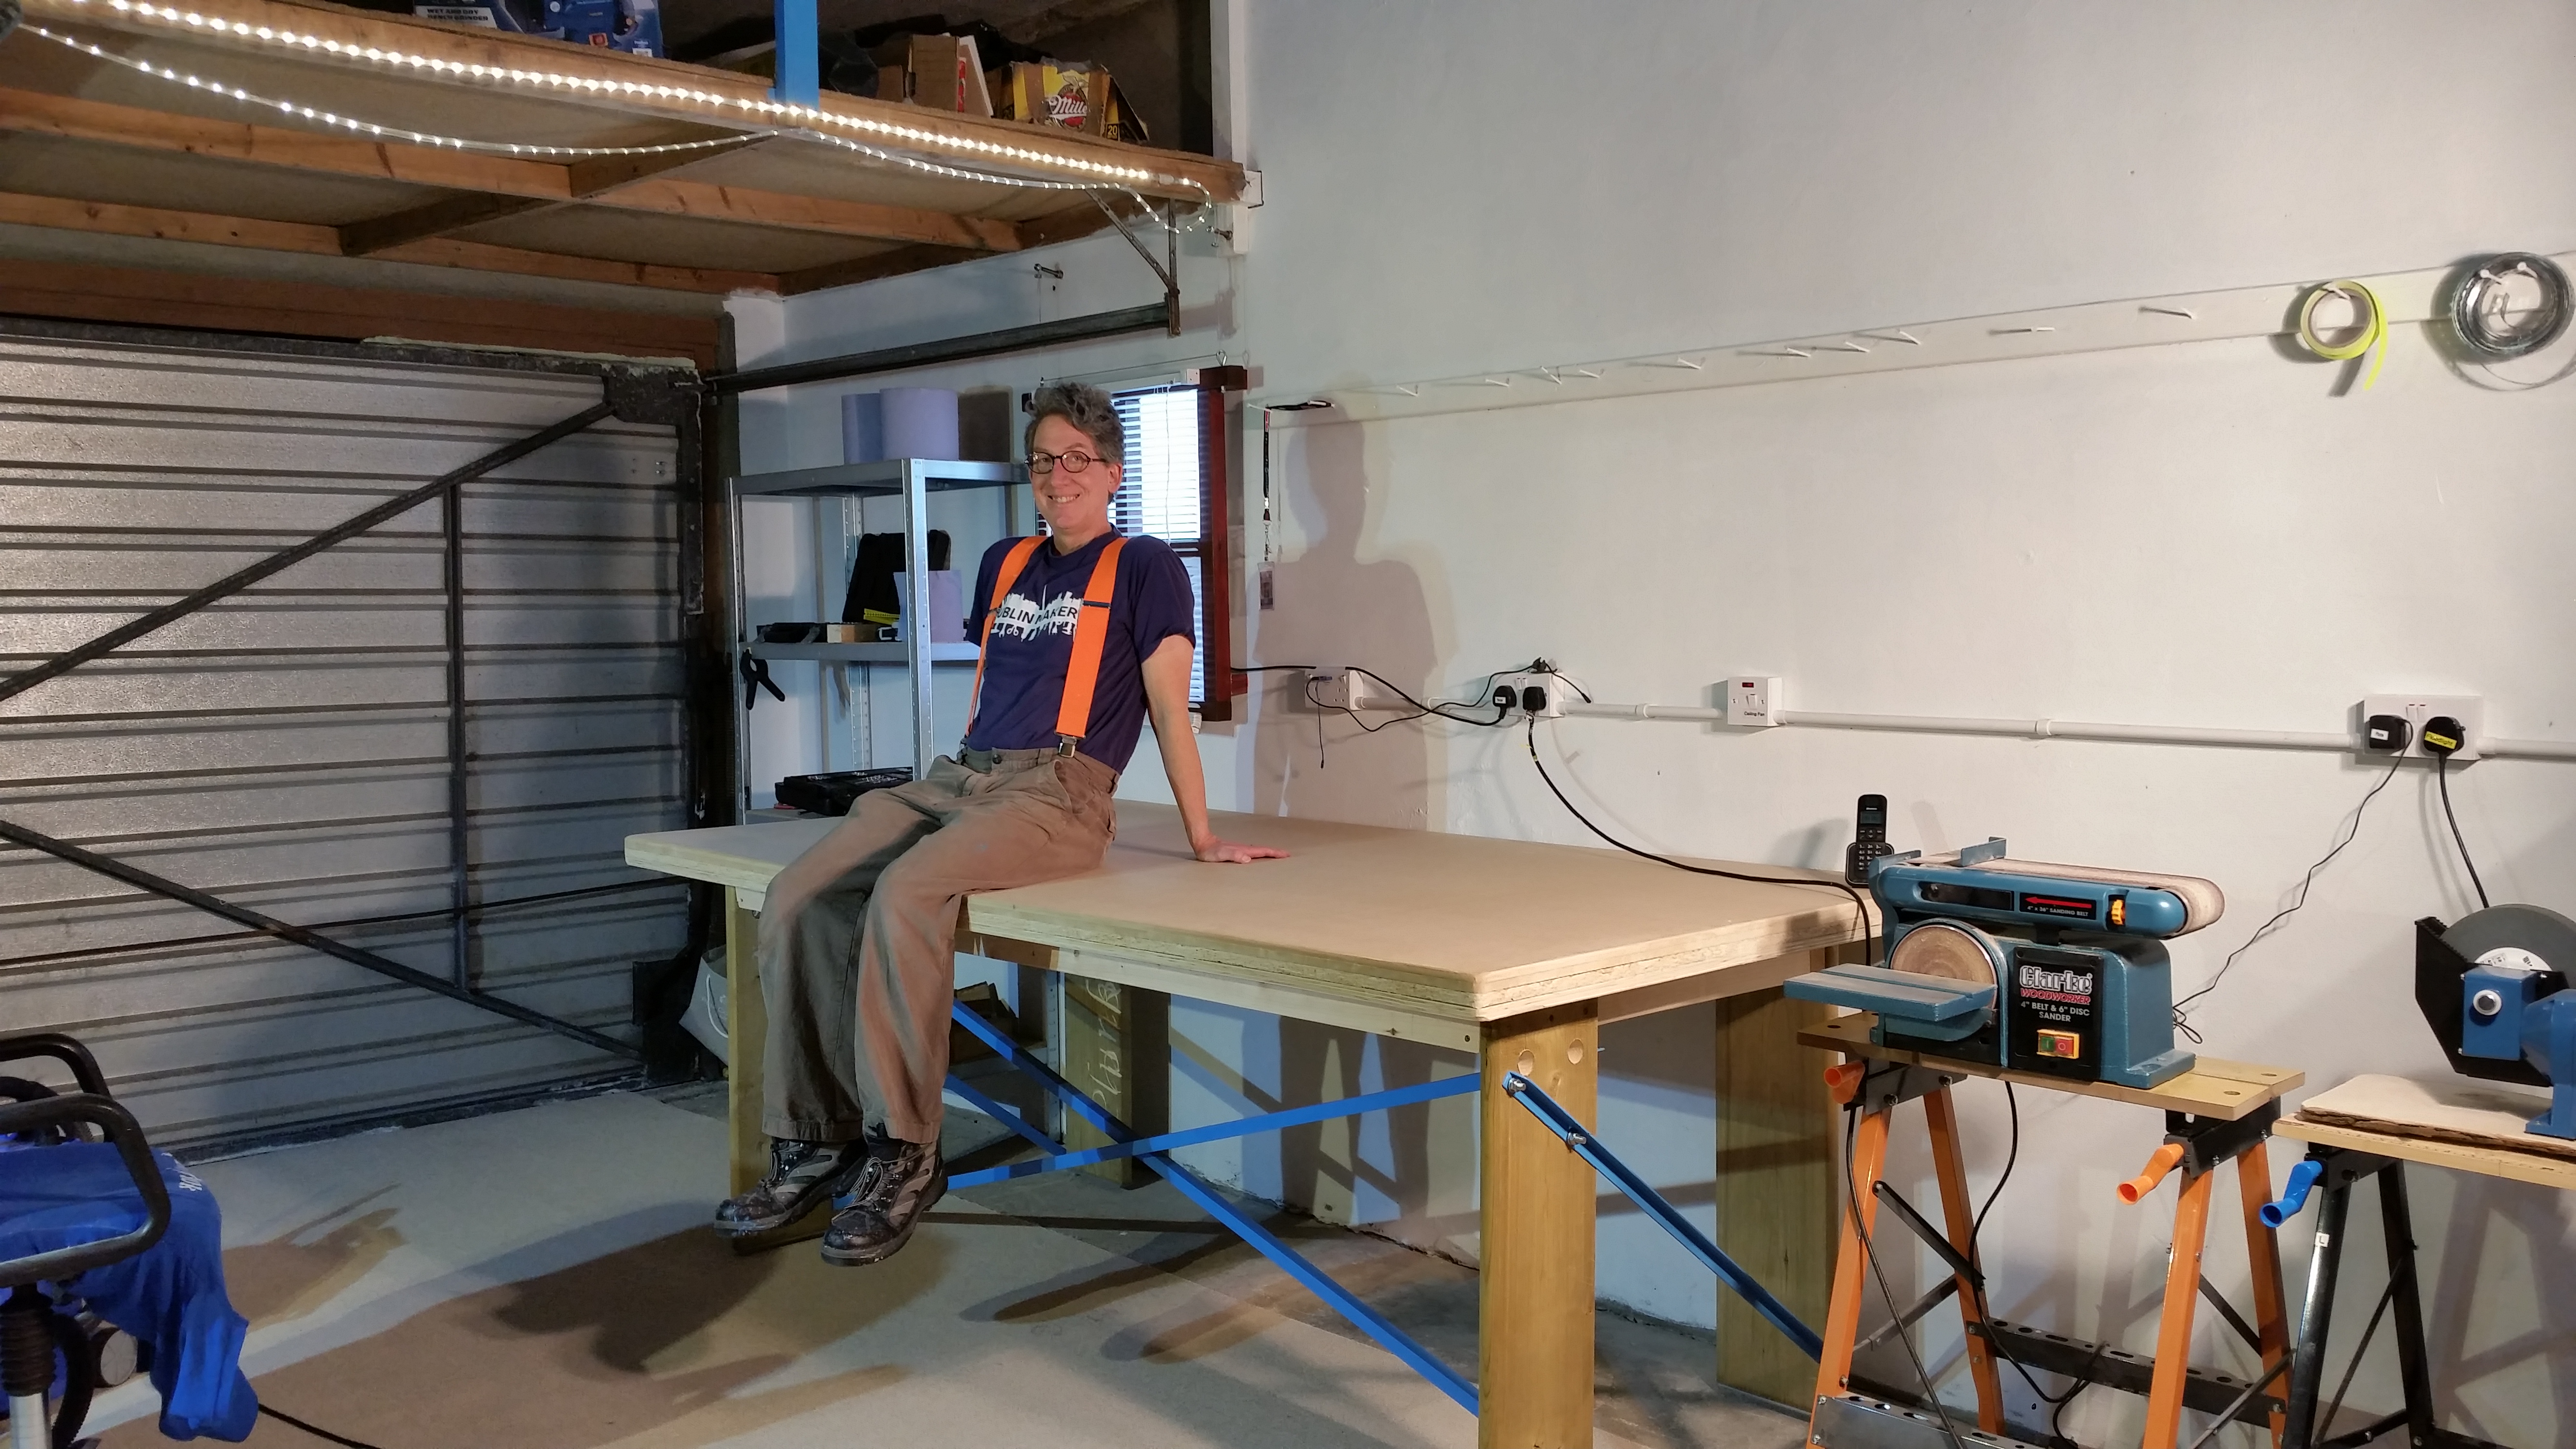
[{"x": 1090, "y": 636}]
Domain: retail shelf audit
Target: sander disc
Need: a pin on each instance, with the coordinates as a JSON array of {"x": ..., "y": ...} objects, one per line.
[
  {"x": 1946, "y": 949},
  {"x": 2536, "y": 929}
]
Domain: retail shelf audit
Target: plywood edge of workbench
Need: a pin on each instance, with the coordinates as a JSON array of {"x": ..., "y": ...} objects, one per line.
[
  {"x": 1390, "y": 983},
  {"x": 1514, "y": 990},
  {"x": 2214, "y": 1087},
  {"x": 660, "y": 853},
  {"x": 2486, "y": 1161}
]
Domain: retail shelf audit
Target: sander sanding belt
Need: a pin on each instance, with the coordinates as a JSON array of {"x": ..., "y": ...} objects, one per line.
[{"x": 2202, "y": 900}]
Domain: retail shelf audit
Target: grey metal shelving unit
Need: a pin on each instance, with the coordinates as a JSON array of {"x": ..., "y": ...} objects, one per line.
[{"x": 913, "y": 480}]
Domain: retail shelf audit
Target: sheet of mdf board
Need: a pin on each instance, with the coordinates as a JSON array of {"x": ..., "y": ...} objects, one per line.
[
  {"x": 2461, "y": 1111},
  {"x": 1775, "y": 1184}
]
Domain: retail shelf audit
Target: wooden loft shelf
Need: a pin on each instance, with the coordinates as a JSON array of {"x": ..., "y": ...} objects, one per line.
[{"x": 759, "y": 204}]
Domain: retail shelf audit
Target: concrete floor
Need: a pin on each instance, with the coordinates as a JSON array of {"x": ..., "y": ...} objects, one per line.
[{"x": 543, "y": 1279}]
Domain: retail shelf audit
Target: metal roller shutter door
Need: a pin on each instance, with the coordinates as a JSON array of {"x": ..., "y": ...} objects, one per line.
[{"x": 286, "y": 748}]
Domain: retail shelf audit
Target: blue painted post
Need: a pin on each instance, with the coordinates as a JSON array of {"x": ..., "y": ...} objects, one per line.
[{"x": 800, "y": 66}]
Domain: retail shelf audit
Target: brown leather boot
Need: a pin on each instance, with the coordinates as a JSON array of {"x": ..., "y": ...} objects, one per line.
[{"x": 907, "y": 1177}]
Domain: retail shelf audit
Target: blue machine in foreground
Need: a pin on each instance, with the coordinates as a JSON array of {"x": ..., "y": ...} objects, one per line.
[
  {"x": 2058, "y": 969},
  {"x": 2493, "y": 986}
]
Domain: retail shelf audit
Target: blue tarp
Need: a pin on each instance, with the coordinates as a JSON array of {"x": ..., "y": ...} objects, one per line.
[{"x": 171, "y": 1296}]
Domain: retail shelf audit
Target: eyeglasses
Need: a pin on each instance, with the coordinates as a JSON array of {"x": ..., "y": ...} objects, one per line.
[{"x": 1074, "y": 462}]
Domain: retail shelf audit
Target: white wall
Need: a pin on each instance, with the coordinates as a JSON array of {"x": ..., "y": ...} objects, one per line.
[{"x": 2195, "y": 534}]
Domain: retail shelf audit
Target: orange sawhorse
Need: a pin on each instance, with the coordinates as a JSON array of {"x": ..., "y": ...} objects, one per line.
[{"x": 2220, "y": 1112}]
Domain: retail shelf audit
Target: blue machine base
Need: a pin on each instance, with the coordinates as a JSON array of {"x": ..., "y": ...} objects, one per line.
[{"x": 1153, "y": 1152}]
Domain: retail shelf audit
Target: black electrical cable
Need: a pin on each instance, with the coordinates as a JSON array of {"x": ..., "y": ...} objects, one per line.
[
  {"x": 1985, "y": 1308},
  {"x": 438, "y": 913},
  {"x": 2182, "y": 1017},
  {"x": 1860, "y": 907},
  {"x": 317, "y": 1432},
  {"x": 1869, "y": 1254},
  {"x": 2442, "y": 779}
]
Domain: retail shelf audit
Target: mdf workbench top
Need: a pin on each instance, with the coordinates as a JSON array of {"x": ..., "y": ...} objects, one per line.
[{"x": 1458, "y": 926}]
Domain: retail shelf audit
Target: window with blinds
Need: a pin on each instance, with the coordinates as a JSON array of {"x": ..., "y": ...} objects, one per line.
[{"x": 1162, "y": 495}]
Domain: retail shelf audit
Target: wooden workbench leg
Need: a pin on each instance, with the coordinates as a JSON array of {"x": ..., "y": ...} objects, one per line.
[
  {"x": 1775, "y": 1183},
  {"x": 1534, "y": 1345},
  {"x": 1959, "y": 1216},
  {"x": 2182, "y": 1299},
  {"x": 746, "y": 1036},
  {"x": 2263, "y": 1253},
  {"x": 1851, "y": 1270}
]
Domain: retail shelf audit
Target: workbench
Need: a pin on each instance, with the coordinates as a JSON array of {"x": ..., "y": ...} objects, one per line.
[
  {"x": 2216, "y": 1113},
  {"x": 1516, "y": 952},
  {"x": 2354, "y": 1146}
]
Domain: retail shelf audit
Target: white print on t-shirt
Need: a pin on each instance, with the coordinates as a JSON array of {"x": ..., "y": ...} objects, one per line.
[{"x": 1018, "y": 618}]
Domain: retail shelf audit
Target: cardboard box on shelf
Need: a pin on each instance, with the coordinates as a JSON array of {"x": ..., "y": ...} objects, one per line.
[
  {"x": 1076, "y": 95},
  {"x": 942, "y": 72}
]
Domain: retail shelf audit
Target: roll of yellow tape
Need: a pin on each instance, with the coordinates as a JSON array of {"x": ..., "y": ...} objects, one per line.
[{"x": 2374, "y": 327}]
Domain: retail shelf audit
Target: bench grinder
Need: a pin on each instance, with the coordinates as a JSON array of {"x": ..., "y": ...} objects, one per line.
[
  {"x": 2493, "y": 986},
  {"x": 2054, "y": 969}
]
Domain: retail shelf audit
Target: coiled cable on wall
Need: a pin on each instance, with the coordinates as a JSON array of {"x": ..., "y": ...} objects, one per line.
[
  {"x": 2487, "y": 324},
  {"x": 2371, "y": 318}
]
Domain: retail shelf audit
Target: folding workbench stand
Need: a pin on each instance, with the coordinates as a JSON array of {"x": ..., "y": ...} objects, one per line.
[
  {"x": 2233, "y": 1106},
  {"x": 1155, "y": 1152},
  {"x": 2338, "y": 1170}
]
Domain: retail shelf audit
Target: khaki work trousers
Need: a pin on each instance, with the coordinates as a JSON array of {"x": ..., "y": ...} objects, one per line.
[{"x": 859, "y": 983}]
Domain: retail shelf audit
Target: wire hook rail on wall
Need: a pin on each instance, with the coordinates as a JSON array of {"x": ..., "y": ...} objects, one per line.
[{"x": 2239, "y": 313}]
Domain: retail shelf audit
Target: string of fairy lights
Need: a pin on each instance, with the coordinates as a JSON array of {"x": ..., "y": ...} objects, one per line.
[{"x": 779, "y": 117}]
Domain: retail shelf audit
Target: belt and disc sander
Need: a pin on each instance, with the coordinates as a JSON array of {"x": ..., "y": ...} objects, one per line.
[
  {"x": 2532, "y": 938},
  {"x": 1947, "y": 950}
]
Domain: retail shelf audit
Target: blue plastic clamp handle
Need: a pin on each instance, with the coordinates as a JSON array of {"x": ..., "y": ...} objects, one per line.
[{"x": 2302, "y": 1178}]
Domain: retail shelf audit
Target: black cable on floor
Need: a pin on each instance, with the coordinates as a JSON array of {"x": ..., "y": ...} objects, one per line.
[
  {"x": 2442, "y": 778},
  {"x": 318, "y": 1433}
]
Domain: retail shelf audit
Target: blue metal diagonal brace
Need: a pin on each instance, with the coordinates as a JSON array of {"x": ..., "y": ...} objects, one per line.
[
  {"x": 1576, "y": 1136},
  {"x": 1457, "y": 1086},
  {"x": 1368, "y": 1320}
]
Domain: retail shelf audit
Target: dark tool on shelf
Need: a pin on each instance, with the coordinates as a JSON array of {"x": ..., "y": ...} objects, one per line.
[
  {"x": 836, "y": 792},
  {"x": 755, "y": 678},
  {"x": 2059, "y": 969},
  {"x": 2493, "y": 986}
]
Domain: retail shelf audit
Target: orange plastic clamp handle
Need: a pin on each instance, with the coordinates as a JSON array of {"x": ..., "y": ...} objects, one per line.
[
  {"x": 1844, "y": 1081},
  {"x": 2167, "y": 1158}
]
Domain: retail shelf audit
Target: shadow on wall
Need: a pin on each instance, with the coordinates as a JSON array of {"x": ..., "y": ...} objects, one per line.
[
  {"x": 1336, "y": 607},
  {"x": 2480, "y": 1208}
]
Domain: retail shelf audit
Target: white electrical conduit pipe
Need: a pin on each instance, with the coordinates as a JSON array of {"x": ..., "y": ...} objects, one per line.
[{"x": 2062, "y": 729}]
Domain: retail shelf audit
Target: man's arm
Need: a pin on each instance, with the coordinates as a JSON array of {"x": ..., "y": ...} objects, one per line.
[{"x": 1167, "y": 701}]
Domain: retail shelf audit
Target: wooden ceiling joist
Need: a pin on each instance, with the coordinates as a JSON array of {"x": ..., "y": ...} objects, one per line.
[
  {"x": 667, "y": 87},
  {"x": 313, "y": 240},
  {"x": 806, "y": 212},
  {"x": 626, "y": 183}
]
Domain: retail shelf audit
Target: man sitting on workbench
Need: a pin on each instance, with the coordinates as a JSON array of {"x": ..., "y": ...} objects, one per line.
[{"x": 1085, "y": 633}]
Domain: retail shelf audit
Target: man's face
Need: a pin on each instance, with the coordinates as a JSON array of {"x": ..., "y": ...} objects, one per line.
[{"x": 1070, "y": 501}]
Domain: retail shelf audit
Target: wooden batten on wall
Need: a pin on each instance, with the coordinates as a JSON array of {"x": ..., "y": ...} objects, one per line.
[{"x": 74, "y": 292}]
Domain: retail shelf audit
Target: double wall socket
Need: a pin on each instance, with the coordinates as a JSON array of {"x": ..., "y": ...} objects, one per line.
[
  {"x": 1336, "y": 690},
  {"x": 1552, "y": 693},
  {"x": 2469, "y": 709}
]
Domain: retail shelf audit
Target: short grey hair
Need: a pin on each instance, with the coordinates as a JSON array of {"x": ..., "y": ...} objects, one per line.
[{"x": 1088, "y": 409}]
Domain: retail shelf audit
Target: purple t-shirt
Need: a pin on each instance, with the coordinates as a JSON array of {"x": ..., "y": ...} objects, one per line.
[{"x": 1032, "y": 644}]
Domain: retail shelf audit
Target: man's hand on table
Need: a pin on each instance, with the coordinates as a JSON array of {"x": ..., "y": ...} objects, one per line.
[{"x": 1226, "y": 852}]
